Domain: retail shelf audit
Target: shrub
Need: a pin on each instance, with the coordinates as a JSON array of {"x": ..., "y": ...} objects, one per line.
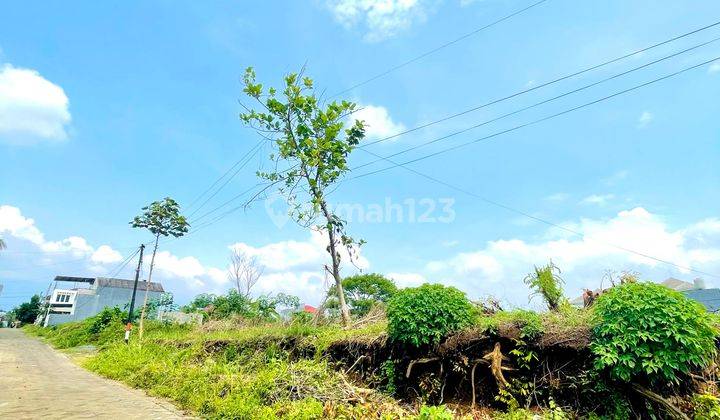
[
  {"x": 435, "y": 412},
  {"x": 546, "y": 281},
  {"x": 645, "y": 329},
  {"x": 105, "y": 318},
  {"x": 427, "y": 314}
]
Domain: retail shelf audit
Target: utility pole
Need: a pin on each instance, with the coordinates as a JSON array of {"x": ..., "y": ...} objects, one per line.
[{"x": 132, "y": 299}]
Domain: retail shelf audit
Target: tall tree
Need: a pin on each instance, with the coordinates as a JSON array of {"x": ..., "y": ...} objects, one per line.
[
  {"x": 311, "y": 149},
  {"x": 161, "y": 218}
]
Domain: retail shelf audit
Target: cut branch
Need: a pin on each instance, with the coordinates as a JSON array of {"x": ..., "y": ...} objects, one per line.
[
  {"x": 417, "y": 362},
  {"x": 672, "y": 410}
]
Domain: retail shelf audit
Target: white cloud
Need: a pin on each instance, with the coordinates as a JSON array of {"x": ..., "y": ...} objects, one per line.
[
  {"x": 499, "y": 267},
  {"x": 378, "y": 19},
  {"x": 714, "y": 68},
  {"x": 407, "y": 279},
  {"x": 17, "y": 226},
  {"x": 449, "y": 244},
  {"x": 597, "y": 199},
  {"x": 378, "y": 123},
  {"x": 645, "y": 119},
  {"x": 105, "y": 255},
  {"x": 13, "y": 222},
  {"x": 296, "y": 267},
  {"x": 31, "y": 107}
]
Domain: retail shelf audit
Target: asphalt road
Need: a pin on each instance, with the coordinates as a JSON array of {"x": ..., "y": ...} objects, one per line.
[{"x": 39, "y": 382}]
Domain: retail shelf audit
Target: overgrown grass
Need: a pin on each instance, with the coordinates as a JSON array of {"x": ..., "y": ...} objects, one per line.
[
  {"x": 235, "y": 369},
  {"x": 568, "y": 320}
]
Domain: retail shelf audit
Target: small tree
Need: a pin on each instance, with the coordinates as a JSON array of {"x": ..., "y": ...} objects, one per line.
[
  {"x": 27, "y": 312},
  {"x": 244, "y": 271},
  {"x": 311, "y": 153},
  {"x": 161, "y": 218},
  {"x": 363, "y": 291},
  {"x": 546, "y": 281}
]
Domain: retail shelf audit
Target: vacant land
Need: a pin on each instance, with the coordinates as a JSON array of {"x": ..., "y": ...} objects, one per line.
[{"x": 38, "y": 382}]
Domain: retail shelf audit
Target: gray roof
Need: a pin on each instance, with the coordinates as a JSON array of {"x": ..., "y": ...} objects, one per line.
[
  {"x": 112, "y": 282},
  {"x": 127, "y": 284},
  {"x": 710, "y": 298}
]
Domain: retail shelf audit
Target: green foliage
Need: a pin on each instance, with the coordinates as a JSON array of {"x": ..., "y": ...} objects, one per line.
[
  {"x": 706, "y": 407},
  {"x": 546, "y": 281},
  {"x": 311, "y": 144},
  {"x": 648, "y": 330},
  {"x": 162, "y": 218},
  {"x": 363, "y": 291},
  {"x": 164, "y": 303},
  {"x": 103, "y": 328},
  {"x": 554, "y": 412},
  {"x": 27, "y": 312},
  {"x": 425, "y": 315},
  {"x": 435, "y": 412},
  {"x": 100, "y": 321},
  {"x": 199, "y": 303},
  {"x": 389, "y": 373},
  {"x": 264, "y": 308}
]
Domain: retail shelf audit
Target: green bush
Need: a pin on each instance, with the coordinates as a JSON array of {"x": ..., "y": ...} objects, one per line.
[
  {"x": 435, "y": 412},
  {"x": 105, "y": 318},
  {"x": 427, "y": 314},
  {"x": 648, "y": 330}
]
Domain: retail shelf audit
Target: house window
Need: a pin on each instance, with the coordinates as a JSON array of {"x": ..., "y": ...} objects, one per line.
[{"x": 62, "y": 297}]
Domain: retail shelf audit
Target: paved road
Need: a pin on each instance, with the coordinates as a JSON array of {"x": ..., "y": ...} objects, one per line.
[{"x": 38, "y": 382}]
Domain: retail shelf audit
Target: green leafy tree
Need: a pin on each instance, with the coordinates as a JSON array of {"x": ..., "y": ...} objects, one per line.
[
  {"x": 311, "y": 149},
  {"x": 425, "y": 315},
  {"x": 164, "y": 303},
  {"x": 161, "y": 218},
  {"x": 363, "y": 291},
  {"x": 27, "y": 312},
  {"x": 647, "y": 331},
  {"x": 199, "y": 303},
  {"x": 546, "y": 281}
]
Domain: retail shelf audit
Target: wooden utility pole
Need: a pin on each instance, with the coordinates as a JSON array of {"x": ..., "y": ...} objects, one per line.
[{"x": 137, "y": 277}]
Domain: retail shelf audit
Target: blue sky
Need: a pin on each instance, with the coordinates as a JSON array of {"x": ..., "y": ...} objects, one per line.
[{"x": 105, "y": 108}]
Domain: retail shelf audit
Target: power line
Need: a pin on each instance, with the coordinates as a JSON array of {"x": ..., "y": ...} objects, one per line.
[
  {"x": 534, "y": 122},
  {"x": 224, "y": 204},
  {"x": 541, "y": 220},
  {"x": 249, "y": 155},
  {"x": 438, "y": 48},
  {"x": 554, "y": 98},
  {"x": 410, "y": 61},
  {"x": 542, "y": 85}
]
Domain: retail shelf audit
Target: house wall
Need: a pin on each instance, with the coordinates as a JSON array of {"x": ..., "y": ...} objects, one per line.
[{"x": 87, "y": 305}]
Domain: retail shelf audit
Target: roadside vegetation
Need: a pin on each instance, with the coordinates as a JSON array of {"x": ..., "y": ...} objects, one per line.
[{"x": 426, "y": 352}]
